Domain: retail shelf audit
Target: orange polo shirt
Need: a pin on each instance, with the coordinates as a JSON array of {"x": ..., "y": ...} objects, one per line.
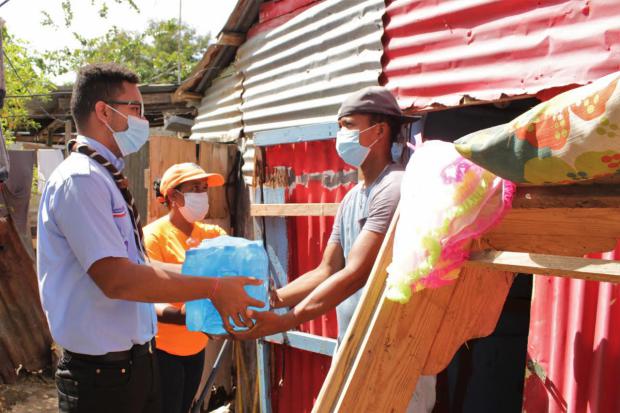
[{"x": 166, "y": 243}]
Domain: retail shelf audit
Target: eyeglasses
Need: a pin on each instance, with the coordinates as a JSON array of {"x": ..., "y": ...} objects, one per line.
[{"x": 134, "y": 103}]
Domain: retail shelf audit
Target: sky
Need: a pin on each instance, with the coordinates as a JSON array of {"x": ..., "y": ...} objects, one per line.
[{"x": 23, "y": 18}]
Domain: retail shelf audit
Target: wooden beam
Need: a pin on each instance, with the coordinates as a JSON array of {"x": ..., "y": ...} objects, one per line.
[
  {"x": 68, "y": 127},
  {"x": 231, "y": 39},
  {"x": 593, "y": 195},
  {"x": 293, "y": 210},
  {"x": 571, "y": 267},
  {"x": 304, "y": 341},
  {"x": 559, "y": 231},
  {"x": 188, "y": 96},
  {"x": 358, "y": 327}
]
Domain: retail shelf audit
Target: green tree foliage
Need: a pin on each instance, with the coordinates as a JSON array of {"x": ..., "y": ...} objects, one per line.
[
  {"x": 24, "y": 77},
  {"x": 67, "y": 11},
  {"x": 153, "y": 53}
]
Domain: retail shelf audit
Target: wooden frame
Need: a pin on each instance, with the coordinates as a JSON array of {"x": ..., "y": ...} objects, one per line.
[{"x": 388, "y": 345}]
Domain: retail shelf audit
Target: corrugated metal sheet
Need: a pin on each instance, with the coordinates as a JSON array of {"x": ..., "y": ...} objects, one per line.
[
  {"x": 248, "y": 151},
  {"x": 298, "y": 72},
  {"x": 574, "y": 345},
  {"x": 219, "y": 113},
  {"x": 439, "y": 52},
  {"x": 301, "y": 373}
]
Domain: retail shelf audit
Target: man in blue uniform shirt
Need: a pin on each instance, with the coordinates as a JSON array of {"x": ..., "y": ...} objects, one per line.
[{"x": 95, "y": 287}]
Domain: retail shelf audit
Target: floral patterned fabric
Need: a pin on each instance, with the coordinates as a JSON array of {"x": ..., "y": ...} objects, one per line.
[{"x": 572, "y": 137}]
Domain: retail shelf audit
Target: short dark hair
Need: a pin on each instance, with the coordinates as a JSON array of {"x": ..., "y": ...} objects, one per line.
[
  {"x": 395, "y": 124},
  {"x": 95, "y": 82}
]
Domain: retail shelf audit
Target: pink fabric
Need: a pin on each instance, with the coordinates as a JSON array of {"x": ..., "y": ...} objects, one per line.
[{"x": 446, "y": 201}]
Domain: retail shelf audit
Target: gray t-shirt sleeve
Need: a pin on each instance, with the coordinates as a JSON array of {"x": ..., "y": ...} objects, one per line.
[
  {"x": 335, "y": 236},
  {"x": 383, "y": 203}
]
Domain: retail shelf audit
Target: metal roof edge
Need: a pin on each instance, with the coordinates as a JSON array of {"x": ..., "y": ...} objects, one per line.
[{"x": 219, "y": 54}]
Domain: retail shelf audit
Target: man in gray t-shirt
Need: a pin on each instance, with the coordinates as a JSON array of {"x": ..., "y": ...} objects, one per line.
[
  {"x": 364, "y": 208},
  {"x": 370, "y": 121}
]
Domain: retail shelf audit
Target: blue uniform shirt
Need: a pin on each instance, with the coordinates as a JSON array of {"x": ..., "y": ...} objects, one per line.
[{"x": 82, "y": 219}]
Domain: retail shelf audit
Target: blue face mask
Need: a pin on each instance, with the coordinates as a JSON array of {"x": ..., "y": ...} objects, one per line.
[
  {"x": 349, "y": 148},
  {"x": 397, "y": 151},
  {"x": 134, "y": 137}
]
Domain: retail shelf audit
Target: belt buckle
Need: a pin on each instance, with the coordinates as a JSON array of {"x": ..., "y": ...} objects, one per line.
[{"x": 151, "y": 347}]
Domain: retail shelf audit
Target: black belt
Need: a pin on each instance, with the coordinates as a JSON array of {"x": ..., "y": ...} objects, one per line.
[{"x": 137, "y": 350}]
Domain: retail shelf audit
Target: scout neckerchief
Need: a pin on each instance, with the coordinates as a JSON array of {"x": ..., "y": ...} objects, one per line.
[{"x": 122, "y": 184}]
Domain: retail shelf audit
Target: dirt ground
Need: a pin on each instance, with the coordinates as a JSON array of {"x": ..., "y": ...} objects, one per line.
[
  {"x": 36, "y": 393},
  {"x": 30, "y": 394}
]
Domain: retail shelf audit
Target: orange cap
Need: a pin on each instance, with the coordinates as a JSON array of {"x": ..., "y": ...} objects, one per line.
[{"x": 188, "y": 171}]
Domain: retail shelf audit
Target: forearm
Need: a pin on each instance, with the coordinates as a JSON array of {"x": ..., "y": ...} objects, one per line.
[
  {"x": 294, "y": 292},
  {"x": 166, "y": 266},
  {"x": 125, "y": 280},
  {"x": 327, "y": 296}
]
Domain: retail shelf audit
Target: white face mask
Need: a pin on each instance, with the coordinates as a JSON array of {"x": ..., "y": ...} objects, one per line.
[
  {"x": 196, "y": 206},
  {"x": 134, "y": 137},
  {"x": 349, "y": 147}
]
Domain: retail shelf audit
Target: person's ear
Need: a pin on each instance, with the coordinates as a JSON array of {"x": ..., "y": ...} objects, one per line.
[
  {"x": 175, "y": 197},
  {"x": 383, "y": 130},
  {"x": 102, "y": 112}
]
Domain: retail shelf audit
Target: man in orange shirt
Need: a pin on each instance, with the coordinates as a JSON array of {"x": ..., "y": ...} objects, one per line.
[{"x": 183, "y": 188}]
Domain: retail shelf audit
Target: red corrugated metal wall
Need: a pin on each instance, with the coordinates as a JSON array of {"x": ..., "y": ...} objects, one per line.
[
  {"x": 437, "y": 52},
  {"x": 574, "y": 346},
  {"x": 297, "y": 375}
]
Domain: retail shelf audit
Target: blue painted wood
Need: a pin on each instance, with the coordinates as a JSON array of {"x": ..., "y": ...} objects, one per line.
[
  {"x": 304, "y": 341},
  {"x": 295, "y": 134},
  {"x": 277, "y": 240},
  {"x": 275, "y": 235},
  {"x": 264, "y": 385}
]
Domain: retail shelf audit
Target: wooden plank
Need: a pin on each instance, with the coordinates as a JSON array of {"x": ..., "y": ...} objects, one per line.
[
  {"x": 571, "y": 267},
  {"x": 263, "y": 361},
  {"x": 165, "y": 151},
  {"x": 540, "y": 230},
  {"x": 135, "y": 164},
  {"x": 68, "y": 131},
  {"x": 304, "y": 341},
  {"x": 474, "y": 310},
  {"x": 358, "y": 327},
  {"x": 293, "y": 210},
  {"x": 556, "y": 231},
  {"x": 231, "y": 39},
  {"x": 594, "y": 195},
  {"x": 217, "y": 158},
  {"x": 420, "y": 337}
]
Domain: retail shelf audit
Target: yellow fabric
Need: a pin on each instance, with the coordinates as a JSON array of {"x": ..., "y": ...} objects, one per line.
[{"x": 166, "y": 243}]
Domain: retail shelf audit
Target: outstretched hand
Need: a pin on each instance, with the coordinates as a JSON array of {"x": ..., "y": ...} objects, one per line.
[
  {"x": 231, "y": 300},
  {"x": 265, "y": 324}
]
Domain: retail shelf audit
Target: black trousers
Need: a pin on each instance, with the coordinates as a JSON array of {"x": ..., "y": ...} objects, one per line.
[
  {"x": 127, "y": 386},
  {"x": 180, "y": 378}
]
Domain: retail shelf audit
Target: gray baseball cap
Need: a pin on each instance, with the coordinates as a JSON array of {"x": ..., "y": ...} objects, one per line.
[{"x": 373, "y": 99}]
